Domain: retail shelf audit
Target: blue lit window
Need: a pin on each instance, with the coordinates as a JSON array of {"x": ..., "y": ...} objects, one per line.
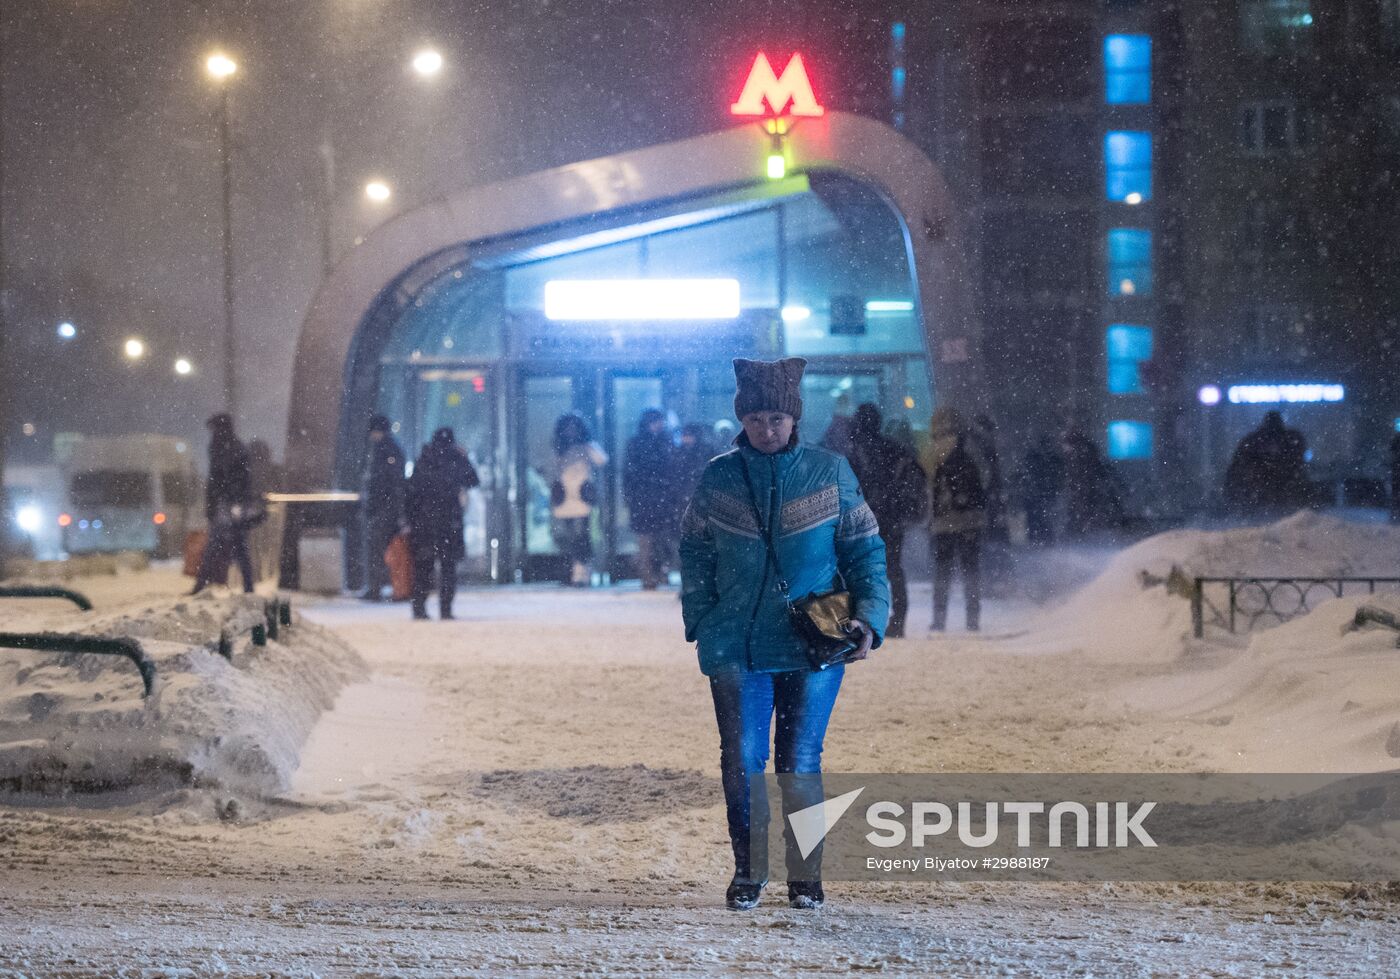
[
  {"x": 1127, "y": 160},
  {"x": 899, "y": 76},
  {"x": 1127, "y": 347},
  {"x": 1129, "y": 262},
  {"x": 1129, "y": 440},
  {"x": 1127, "y": 66}
]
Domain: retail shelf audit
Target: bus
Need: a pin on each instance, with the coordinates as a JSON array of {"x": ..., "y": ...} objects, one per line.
[
  {"x": 34, "y": 498},
  {"x": 129, "y": 493}
]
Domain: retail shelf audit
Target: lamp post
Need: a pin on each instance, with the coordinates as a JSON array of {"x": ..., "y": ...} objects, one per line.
[
  {"x": 426, "y": 64},
  {"x": 221, "y": 68},
  {"x": 4, "y": 417}
]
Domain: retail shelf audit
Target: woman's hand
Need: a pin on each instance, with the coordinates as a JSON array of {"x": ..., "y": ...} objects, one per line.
[{"x": 867, "y": 638}]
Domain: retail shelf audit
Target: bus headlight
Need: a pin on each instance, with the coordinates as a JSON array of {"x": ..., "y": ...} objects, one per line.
[{"x": 29, "y": 518}]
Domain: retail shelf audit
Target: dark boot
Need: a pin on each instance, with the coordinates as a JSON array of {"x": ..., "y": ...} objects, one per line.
[
  {"x": 805, "y": 895},
  {"x": 743, "y": 895},
  {"x": 447, "y": 588}
]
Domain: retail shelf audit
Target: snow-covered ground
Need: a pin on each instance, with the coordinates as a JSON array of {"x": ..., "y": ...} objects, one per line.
[{"x": 533, "y": 790}]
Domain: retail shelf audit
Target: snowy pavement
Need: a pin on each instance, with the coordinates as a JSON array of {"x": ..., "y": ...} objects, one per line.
[{"x": 533, "y": 790}]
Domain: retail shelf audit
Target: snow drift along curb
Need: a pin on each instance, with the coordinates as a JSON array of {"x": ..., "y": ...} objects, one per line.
[{"x": 78, "y": 723}]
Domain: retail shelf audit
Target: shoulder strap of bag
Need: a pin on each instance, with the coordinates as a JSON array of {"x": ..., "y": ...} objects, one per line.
[{"x": 763, "y": 531}]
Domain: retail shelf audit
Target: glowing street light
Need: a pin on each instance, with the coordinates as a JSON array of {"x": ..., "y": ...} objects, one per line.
[
  {"x": 378, "y": 191},
  {"x": 67, "y": 331},
  {"x": 183, "y": 367},
  {"x": 134, "y": 348},
  {"x": 29, "y": 518},
  {"x": 220, "y": 66},
  {"x": 427, "y": 63}
]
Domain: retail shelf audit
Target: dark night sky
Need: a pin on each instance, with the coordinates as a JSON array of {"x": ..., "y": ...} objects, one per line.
[{"x": 112, "y": 196}]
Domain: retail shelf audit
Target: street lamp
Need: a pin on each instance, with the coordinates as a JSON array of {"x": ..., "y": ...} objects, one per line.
[
  {"x": 67, "y": 331},
  {"x": 427, "y": 63},
  {"x": 134, "y": 348},
  {"x": 221, "y": 65},
  {"x": 183, "y": 367},
  {"x": 221, "y": 69}
]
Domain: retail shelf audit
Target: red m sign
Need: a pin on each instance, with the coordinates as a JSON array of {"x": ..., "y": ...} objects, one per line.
[{"x": 792, "y": 87}]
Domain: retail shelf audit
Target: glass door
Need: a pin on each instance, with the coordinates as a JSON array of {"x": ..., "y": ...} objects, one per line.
[
  {"x": 543, "y": 398},
  {"x": 829, "y": 402},
  {"x": 628, "y": 395},
  {"x": 462, "y": 399}
]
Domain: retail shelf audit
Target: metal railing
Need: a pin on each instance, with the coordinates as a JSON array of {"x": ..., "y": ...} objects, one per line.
[
  {"x": 47, "y": 591},
  {"x": 63, "y": 642},
  {"x": 1370, "y": 615},
  {"x": 1247, "y": 601},
  {"x": 266, "y": 623}
]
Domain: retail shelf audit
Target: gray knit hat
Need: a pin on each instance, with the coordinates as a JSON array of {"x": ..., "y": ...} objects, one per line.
[{"x": 769, "y": 385}]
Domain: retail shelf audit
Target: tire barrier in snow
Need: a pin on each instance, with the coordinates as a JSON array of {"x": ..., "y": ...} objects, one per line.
[
  {"x": 61, "y": 642},
  {"x": 47, "y": 591},
  {"x": 1248, "y": 601},
  {"x": 1370, "y": 615}
]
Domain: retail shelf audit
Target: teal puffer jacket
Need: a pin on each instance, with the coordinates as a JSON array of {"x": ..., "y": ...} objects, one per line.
[{"x": 820, "y": 523}]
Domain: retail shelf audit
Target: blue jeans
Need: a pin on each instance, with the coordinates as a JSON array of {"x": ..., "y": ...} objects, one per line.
[{"x": 744, "y": 707}]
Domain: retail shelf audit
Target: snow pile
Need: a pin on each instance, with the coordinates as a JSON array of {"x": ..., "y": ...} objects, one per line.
[
  {"x": 1313, "y": 694},
  {"x": 1138, "y": 611},
  {"x": 79, "y": 722}
]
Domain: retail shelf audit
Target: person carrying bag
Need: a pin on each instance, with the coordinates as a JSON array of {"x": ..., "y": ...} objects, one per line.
[{"x": 772, "y": 519}]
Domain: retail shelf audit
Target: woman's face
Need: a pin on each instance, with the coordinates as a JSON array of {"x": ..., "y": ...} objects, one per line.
[{"x": 768, "y": 431}]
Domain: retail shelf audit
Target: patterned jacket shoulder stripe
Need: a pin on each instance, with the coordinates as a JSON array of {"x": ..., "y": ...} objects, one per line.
[
  {"x": 811, "y": 510},
  {"x": 857, "y": 523},
  {"x": 732, "y": 514}
]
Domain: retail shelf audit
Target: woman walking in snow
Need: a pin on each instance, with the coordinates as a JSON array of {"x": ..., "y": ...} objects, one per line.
[
  {"x": 574, "y": 493},
  {"x": 773, "y": 512}
]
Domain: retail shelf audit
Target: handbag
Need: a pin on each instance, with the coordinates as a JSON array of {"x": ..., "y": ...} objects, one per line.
[
  {"x": 821, "y": 621},
  {"x": 398, "y": 558}
]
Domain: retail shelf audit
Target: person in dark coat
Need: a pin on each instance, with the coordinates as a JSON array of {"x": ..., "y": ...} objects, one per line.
[
  {"x": 957, "y": 514},
  {"x": 266, "y": 475},
  {"x": 896, "y": 488},
  {"x": 841, "y": 427},
  {"x": 381, "y": 503},
  {"x": 1042, "y": 478},
  {"x": 1395, "y": 479},
  {"x": 649, "y": 490},
  {"x": 229, "y": 505},
  {"x": 691, "y": 457},
  {"x": 434, "y": 509},
  {"x": 1093, "y": 501},
  {"x": 1268, "y": 471},
  {"x": 996, "y": 538}
]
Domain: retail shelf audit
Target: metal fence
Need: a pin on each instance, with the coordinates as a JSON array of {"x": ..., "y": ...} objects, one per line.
[{"x": 1241, "y": 604}]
